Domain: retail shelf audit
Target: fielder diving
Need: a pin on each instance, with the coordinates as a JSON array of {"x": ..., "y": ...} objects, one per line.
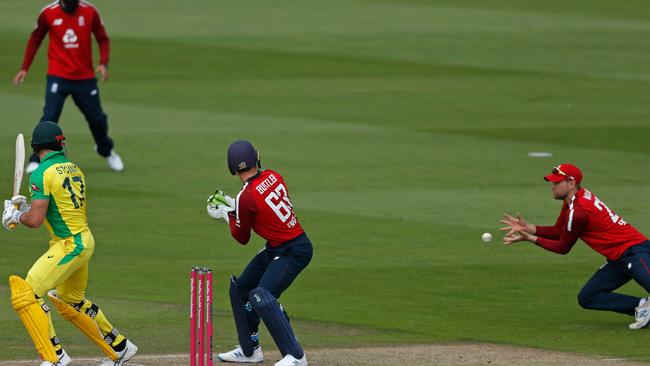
[
  {"x": 584, "y": 216},
  {"x": 263, "y": 206},
  {"x": 58, "y": 200}
]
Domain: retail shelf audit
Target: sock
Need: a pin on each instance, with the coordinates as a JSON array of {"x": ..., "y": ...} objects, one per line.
[
  {"x": 57, "y": 346},
  {"x": 120, "y": 346}
]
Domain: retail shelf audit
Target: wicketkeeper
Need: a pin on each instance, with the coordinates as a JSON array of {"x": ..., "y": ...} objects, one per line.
[
  {"x": 263, "y": 206},
  {"x": 58, "y": 199}
]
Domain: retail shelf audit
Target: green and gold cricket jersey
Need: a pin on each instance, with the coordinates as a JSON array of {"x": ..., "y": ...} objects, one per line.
[{"x": 62, "y": 183}]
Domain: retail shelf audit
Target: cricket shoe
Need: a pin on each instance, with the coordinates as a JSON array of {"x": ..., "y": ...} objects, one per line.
[
  {"x": 124, "y": 355},
  {"x": 237, "y": 355},
  {"x": 31, "y": 167},
  {"x": 115, "y": 162},
  {"x": 641, "y": 315},
  {"x": 289, "y": 360},
  {"x": 62, "y": 360}
]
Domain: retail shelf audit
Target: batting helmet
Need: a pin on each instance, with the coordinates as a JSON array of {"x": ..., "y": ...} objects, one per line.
[
  {"x": 242, "y": 156},
  {"x": 47, "y": 135}
]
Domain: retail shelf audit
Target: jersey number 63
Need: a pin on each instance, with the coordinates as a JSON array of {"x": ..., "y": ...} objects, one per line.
[{"x": 279, "y": 202}]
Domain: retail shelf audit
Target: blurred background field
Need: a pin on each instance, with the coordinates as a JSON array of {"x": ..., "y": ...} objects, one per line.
[{"x": 402, "y": 129}]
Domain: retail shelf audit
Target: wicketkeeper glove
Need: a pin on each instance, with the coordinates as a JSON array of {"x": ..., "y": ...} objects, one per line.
[
  {"x": 11, "y": 215},
  {"x": 219, "y": 212},
  {"x": 219, "y": 198},
  {"x": 21, "y": 203}
]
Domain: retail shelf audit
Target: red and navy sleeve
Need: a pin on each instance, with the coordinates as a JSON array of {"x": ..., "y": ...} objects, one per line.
[
  {"x": 241, "y": 220},
  {"x": 35, "y": 40},
  {"x": 102, "y": 38},
  {"x": 569, "y": 234}
]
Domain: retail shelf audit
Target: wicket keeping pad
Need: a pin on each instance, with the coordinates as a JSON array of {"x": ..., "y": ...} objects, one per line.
[
  {"x": 276, "y": 322},
  {"x": 241, "y": 319},
  {"x": 84, "y": 323},
  {"x": 33, "y": 316}
]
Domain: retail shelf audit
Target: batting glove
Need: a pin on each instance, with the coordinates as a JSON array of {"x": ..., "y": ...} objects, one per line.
[
  {"x": 219, "y": 198},
  {"x": 219, "y": 212},
  {"x": 21, "y": 203},
  {"x": 10, "y": 215}
]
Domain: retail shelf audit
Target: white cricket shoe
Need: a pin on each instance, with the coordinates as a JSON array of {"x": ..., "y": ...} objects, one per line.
[
  {"x": 115, "y": 162},
  {"x": 641, "y": 315},
  {"x": 237, "y": 355},
  {"x": 126, "y": 354},
  {"x": 63, "y": 360},
  {"x": 289, "y": 360},
  {"x": 31, "y": 167}
]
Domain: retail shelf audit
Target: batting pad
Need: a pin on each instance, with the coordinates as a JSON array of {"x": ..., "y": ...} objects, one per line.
[
  {"x": 33, "y": 316},
  {"x": 276, "y": 322},
  {"x": 84, "y": 323}
]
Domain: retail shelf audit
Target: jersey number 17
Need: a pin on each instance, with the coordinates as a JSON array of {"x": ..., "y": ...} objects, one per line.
[{"x": 76, "y": 190}]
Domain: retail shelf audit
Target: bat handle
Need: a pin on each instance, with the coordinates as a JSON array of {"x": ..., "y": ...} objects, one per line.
[{"x": 13, "y": 226}]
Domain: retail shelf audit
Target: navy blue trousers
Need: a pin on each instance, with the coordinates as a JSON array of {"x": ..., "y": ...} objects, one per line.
[
  {"x": 274, "y": 269},
  {"x": 85, "y": 95},
  {"x": 597, "y": 293}
]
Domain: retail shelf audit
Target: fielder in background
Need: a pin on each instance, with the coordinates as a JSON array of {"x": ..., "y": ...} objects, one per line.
[
  {"x": 584, "y": 216},
  {"x": 70, "y": 24},
  {"x": 58, "y": 190},
  {"x": 263, "y": 206}
]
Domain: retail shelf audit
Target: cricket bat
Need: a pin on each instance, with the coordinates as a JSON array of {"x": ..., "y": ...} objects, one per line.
[{"x": 19, "y": 168}]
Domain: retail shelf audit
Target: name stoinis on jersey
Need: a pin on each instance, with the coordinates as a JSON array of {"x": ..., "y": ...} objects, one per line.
[
  {"x": 266, "y": 183},
  {"x": 67, "y": 169}
]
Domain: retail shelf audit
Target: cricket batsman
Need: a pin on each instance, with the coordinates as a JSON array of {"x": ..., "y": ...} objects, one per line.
[
  {"x": 58, "y": 200},
  {"x": 263, "y": 206}
]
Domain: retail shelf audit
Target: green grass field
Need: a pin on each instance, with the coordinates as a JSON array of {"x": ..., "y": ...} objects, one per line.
[{"x": 402, "y": 129}]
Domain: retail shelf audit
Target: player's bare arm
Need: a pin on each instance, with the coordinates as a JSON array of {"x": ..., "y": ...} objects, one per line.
[
  {"x": 20, "y": 77},
  {"x": 515, "y": 224},
  {"x": 102, "y": 70},
  {"x": 518, "y": 236},
  {"x": 35, "y": 216}
]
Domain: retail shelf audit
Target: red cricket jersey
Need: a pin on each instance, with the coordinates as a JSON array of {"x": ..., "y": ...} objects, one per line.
[
  {"x": 263, "y": 205},
  {"x": 69, "y": 53},
  {"x": 589, "y": 219}
]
